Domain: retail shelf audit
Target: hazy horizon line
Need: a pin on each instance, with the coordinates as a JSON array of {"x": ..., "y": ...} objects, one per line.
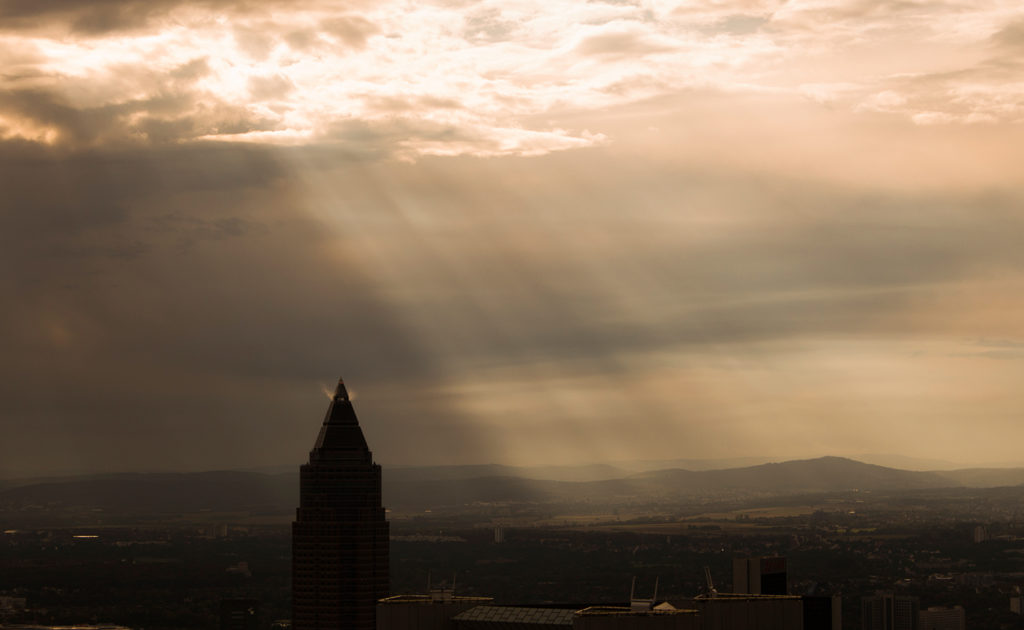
[{"x": 638, "y": 465}]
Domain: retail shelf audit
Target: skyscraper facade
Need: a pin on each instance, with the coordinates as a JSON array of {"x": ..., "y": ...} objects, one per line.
[
  {"x": 760, "y": 576},
  {"x": 886, "y": 611},
  {"x": 943, "y": 618},
  {"x": 340, "y": 534}
]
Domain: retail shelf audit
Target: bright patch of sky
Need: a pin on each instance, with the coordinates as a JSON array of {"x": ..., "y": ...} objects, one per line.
[{"x": 489, "y": 78}]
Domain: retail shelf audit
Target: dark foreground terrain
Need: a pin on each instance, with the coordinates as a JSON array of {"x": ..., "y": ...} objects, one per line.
[{"x": 97, "y": 556}]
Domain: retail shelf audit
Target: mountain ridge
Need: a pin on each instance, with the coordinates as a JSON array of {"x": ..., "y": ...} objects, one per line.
[{"x": 425, "y": 487}]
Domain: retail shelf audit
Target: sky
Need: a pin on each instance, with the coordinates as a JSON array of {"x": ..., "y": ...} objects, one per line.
[{"x": 524, "y": 232}]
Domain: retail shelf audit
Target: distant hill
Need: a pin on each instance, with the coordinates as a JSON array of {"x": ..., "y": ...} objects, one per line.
[
  {"x": 693, "y": 464},
  {"x": 416, "y": 488},
  {"x": 824, "y": 474},
  {"x": 589, "y": 472},
  {"x": 904, "y": 462},
  {"x": 984, "y": 477}
]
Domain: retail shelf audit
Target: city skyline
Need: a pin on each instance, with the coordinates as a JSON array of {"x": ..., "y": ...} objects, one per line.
[{"x": 537, "y": 233}]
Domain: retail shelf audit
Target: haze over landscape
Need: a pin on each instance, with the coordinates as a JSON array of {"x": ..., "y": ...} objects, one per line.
[{"x": 526, "y": 233}]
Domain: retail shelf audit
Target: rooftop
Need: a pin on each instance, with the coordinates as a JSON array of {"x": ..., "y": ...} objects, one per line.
[
  {"x": 428, "y": 599},
  {"x": 518, "y": 615}
]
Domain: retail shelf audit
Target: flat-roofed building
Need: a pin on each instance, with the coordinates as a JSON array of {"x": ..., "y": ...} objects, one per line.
[
  {"x": 514, "y": 618},
  {"x": 738, "y": 611},
  {"x": 660, "y": 617},
  {"x": 888, "y": 611},
  {"x": 822, "y": 612},
  {"x": 942, "y": 618},
  {"x": 424, "y": 612}
]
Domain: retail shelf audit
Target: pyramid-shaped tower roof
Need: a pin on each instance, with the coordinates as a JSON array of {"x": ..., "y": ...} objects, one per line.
[{"x": 340, "y": 432}]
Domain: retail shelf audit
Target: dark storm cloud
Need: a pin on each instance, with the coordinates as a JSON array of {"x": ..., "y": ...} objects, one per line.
[
  {"x": 177, "y": 112},
  {"x": 76, "y": 126},
  {"x": 92, "y": 18},
  {"x": 84, "y": 17},
  {"x": 180, "y": 297},
  {"x": 190, "y": 297},
  {"x": 171, "y": 300},
  {"x": 173, "y": 111}
]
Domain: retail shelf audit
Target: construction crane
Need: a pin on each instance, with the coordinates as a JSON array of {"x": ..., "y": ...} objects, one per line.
[
  {"x": 710, "y": 583},
  {"x": 639, "y": 604}
]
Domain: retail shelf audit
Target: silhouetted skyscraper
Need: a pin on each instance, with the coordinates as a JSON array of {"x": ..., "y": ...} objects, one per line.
[
  {"x": 340, "y": 535},
  {"x": 886, "y": 611},
  {"x": 759, "y": 576}
]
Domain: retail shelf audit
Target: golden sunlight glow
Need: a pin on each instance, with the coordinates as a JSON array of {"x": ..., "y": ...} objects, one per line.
[
  {"x": 635, "y": 228},
  {"x": 490, "y": 80},
  {"x": 22, "y": 129}
]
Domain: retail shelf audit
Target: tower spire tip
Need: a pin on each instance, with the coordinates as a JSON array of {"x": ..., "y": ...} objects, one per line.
[{"x": 340, "y": 391}]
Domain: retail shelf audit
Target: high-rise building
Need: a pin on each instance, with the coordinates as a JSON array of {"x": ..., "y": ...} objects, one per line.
[
  {"x": 340, "y": 534},
  {"x": 759, "y": 576},
  {"x": 980, "y": 534},
  {"x": 822, "y": 612},
  {"x": 887, "y": 611},
  {"x": 943, "y": 618}
]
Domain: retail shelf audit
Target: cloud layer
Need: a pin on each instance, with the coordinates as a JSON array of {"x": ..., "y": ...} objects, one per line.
[
  {"x": 523, "y": 232},
  {"x": 478, "y": 78}
]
